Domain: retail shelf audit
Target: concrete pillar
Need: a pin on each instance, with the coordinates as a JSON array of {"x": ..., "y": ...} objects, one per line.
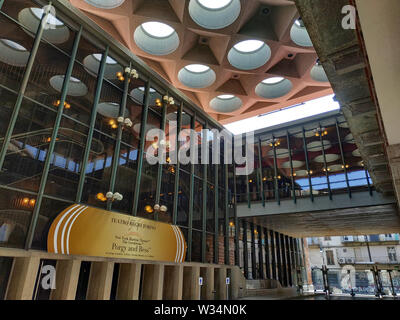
[
  {"x": 220, "y": 286},
  {"x": 173, "y": 282},
  {"x": 100, "y": 279},
  {"x": 238, "y": 283},
  {"x": 207, "y": 290},
  {"x": 67, "y": 275},
  {"x": 22, "y": 278},
  {"x": 153, "y": 282},
  {"x": 129, "y": 281},
  {"x": 191, "y": 287}
]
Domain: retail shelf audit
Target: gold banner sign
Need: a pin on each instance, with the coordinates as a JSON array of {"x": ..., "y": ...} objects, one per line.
[{"x": 83, "y": 230}]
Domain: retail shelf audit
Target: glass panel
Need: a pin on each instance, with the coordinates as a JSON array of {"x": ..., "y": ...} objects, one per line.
[
  {"x": 209, "y": 248},
  {"x": 5, "y": 270},
  {"x": 28, "y": 147},
  {"x": 15, "y": 217},
  {"x": 196, "y": 246},
  {"x": 198, "y": 204},
  {"x": 210, "y": 224},
  {"x": 183, "y": 198}
]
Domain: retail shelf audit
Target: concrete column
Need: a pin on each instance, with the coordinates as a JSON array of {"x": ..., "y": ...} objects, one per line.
[
  {"x": 100, "y": 279},
  {"x": 173, "y": 282},
  {"x": 207, "y": 273},
  {"x": 67, "y": 275},
  {"x": 238, "y": 283},
  {"x": 129, "y": 281},
  {"x": 220, "y": 286},
  {"x": 22, "y": 278},
  {"x": 191, "y": 287},
  {"x": 153, "y": 282}
]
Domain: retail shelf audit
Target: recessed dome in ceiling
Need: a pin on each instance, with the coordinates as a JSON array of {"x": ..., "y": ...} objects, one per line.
[
  {"x": 196, "y": 76},
  {"x": 156, "y": 38},
  {"x": 138, "y": 95},
  {"x": 212, "y": 14},
  {"x": 299, "y": 34},
  {"x": 105, "y": 4},
  {"x": 12, "y": 53},
  {"x": 275, "y": 87},
  {"x": 56, "y": 32},
  {"x": 318, "y": 73},
  {"x": 185, "y": 118},
  {"x": 110, "y": 109},
  {"x": 76, "y": 87},
  {"x": 225, "y": 103},
  {"x": 249, "y": 54},
  {"x": 92, "y": 64}
]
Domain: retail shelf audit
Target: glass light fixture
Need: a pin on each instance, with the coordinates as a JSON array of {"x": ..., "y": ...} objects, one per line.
[
  {"x": 248, "y": 46},
  {"x": 157, "y": 29}
]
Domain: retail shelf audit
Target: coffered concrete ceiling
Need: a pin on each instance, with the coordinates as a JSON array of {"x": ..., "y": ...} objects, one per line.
[{"x": 200, "y": 35}]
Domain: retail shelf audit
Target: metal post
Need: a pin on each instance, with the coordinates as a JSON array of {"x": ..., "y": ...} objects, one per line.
[
  {"x": 325, "y": 165},
  {"x": 291, "y": 167},
  {"x": 368, "y": 183},
  {"x": 267, "y": 260},
  {"x": 226, "y": 238},
  {"x": 91, "y": 125},
  {"x": 278, "y": 258},
  {"x": 277, "y": 196},
  {"x": 53, "y": 139},
  {"x": 160, "y": 166},
  {"x": 261, "y": 172},
  {"x": 307, "y": 163},
  {"x": 204, "y": 207},
  {"x": 369, "y": 251},
  {"x": 245, "y": 251},
  {"x": 117, "y": 149},
  {"x": 191, "y": 199},
  {"x": 177, "y": 166},
  {"x": 253, "y": 252},
  {"x": 343, "y": 159},
  {"x": 24, "y": 84},
  {"x": 273, "y": 258},
  {"x": 284, "y": 262},
  {"x": 216, "y": 214},
  {"x": 139, "y": 167},
  {"x": 236, "y": 218},
  {"x": 288, "y": 261},
  {"x": 391, "y": 283},
  {"x": 260, "y": 253}
]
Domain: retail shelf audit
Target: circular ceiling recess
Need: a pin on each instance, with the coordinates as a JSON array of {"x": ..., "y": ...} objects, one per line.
[
  {"x": 275, "y": 87},
  {"x": 212, "y": 14},
  {"x": 105, "y": 4},
  {"x": 110, "y": 110},
  {"x": 299, "y": 34},
  {"x": 156, "y": 38},
  {"x": 137, "y": 95},
  {"x": 92, "y": 64},
  {"x": 76, "y": 87},
  {"x": 55, "y": 32},
  {"x": 197, "y": 76},
  {"x": 249, "y": 54},
  {"x": 226, "y": 103},
  {"x": 318, "y": 73},
  {"x": 12, "y": 53}
]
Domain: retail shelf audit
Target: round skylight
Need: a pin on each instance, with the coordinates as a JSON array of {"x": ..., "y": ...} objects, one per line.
[
  {"x": 105, "y": 4},
  {"x": 226, "y": 103},
  {"x": 214, "y": 4},
  {"x": 76, "y": 87},
  {"x": 299, "y": 34},
  {"x": 197, "y": 76},
  {"x": 156, "y": 38},
  {"x": 13, "y": 45},
  {"x": 275, "y": 87},
  {"x": 52, "y": 20},
  {"x": 318, "y": 73},
  {"x": 248, "y": 46},
  {"x": 273, "y": 80},
  {"x": 157, "y": 29},
  {"x": 214, "y": 14},
  {"x": 197, "y": 68},
  {"x": 249, "y": 54},
  {"x": 151, "y": 90},
  {"x": 109, "y": 60},
  {"x": 76, "y": 80},
  {"x": 225, "y": 96}
]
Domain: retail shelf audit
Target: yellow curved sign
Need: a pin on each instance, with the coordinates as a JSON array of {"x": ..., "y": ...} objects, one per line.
[{"x": 83, "y": 230}]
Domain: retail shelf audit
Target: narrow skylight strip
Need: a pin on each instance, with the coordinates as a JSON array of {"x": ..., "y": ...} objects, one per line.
[{"x": 308, "y": 109}]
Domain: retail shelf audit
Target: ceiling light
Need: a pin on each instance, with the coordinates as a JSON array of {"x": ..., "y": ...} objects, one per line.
[
  {"x": 157, "y": 29},
  {"x": 273, "y": 80},
  {"x": 13, "y": 45},
  {"x": 197, "y": 68},
  {"x": 213, "y": 4},
  {"x": 225, "y": 96},
  {"x": 247, "y": 46},
  {"x": 38, "y": 13}
]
